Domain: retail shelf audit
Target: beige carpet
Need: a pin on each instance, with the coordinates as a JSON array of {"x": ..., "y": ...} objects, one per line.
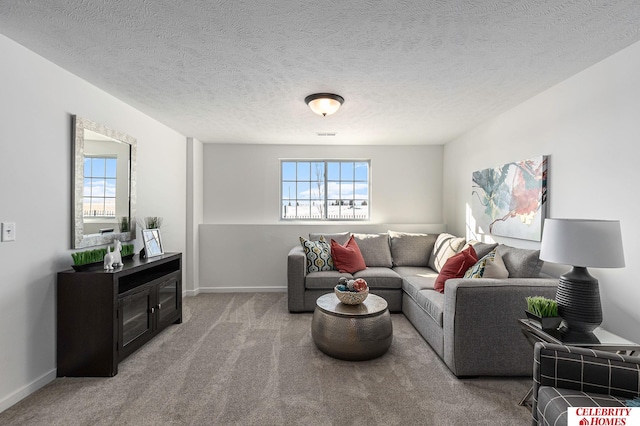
[{"x": 242, "y": 359}]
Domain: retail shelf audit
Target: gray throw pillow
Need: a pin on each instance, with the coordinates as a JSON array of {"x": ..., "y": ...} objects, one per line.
[
  {"x": 521, "y": 263},
  {"x": 375, "y": 249},
  {"x": 341, "y": 237},
  {"x": 408, "y": 249},
  {"x": 482, "y": 249}
]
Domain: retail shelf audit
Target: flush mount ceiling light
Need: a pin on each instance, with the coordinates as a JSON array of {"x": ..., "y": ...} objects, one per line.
[{"x": 324, "y": 103}]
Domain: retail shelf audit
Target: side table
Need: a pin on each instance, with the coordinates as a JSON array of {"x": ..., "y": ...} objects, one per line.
[{"x": 600, "y": 339}]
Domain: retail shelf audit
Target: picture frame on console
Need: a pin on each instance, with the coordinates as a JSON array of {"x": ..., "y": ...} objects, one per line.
[{"x": 152, "y": 242}]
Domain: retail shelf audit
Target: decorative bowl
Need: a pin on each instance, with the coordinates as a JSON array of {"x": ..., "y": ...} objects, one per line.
[{"x": 351, "y": 297}]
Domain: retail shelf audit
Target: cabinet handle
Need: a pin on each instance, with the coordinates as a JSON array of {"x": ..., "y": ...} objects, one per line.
[
  {"x": 153, "y": 309},
  {"x": 159, "y": 305}
]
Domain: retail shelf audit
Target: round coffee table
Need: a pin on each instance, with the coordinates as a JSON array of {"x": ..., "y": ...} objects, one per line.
[{"x": 352, "y": 332}]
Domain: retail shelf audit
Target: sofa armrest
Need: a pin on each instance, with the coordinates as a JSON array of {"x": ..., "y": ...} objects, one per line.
[
  {"x": 481, "y": 332},
  {"x": 584, "y": 370},
  {"x": 296, "y": 272}
]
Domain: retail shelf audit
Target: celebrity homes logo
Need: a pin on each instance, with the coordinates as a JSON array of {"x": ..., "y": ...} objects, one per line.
[{"x": 603, "y": 416}]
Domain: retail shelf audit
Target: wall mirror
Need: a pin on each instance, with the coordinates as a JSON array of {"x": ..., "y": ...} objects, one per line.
[{"x": 104, "y": 185}]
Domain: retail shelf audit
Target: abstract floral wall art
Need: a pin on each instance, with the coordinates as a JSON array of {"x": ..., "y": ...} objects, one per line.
[{"x": 511, "y": 200}]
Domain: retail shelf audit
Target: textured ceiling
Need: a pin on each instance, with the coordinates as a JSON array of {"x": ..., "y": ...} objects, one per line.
[{"x": 411, "y": 71}]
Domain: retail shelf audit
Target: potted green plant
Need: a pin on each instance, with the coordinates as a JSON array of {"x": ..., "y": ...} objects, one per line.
[
  {"x": 124, "y": 224},
  {"x": 153, "y": 222},
  {"x": 84, "y": 260},
  {"x": 543, "y": 312}
]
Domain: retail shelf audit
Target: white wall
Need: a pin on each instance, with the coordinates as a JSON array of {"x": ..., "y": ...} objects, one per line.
[
  {"x": 38, "y": 99},
  {"x": 243, "y": 242},
  {"x": 590, "y": 128},
  {"x": 242, "y": 182}
]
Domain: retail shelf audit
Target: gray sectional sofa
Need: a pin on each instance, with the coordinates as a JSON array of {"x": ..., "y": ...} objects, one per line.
[{"x": 472, "y": 325}]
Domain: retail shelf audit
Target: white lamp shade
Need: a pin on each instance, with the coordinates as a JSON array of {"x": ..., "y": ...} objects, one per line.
[{"x": 582, "y": 242}]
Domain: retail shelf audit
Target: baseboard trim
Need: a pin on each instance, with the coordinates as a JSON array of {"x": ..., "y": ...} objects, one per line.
[
  {"x": 282, "y": 289},
  {"x": 27, "y": 390},
  {"x": 190, "y": 293}
]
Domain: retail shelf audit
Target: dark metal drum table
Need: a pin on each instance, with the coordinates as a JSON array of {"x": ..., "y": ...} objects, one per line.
[{"x": 352, "y": 332}]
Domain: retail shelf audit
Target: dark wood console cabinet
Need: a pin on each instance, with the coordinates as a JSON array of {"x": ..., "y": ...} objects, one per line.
[{"x": 104, "y": 316}]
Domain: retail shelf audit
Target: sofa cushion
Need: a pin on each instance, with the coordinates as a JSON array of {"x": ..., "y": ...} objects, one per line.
[
  {"x": 554, "y": 402},
  {"x": 482, "y": 249},
  {"x": 446, "y": 245},
  {"x": 375, "y": 249},
  {"x": 340, "y": 237},
  {"x": 318, "y": 255},
  {"x": 521, "y": 263},
  {"x": 490, "y": 266},
  {"x": 378, "y": 277},
  {"x": 409, "y": 249},
  {"x": 347, "y": 257},
  {"x": 455, "y": 267},
  {"x": 417, "y": 283},
  {"x": 324, "y": 280},
  {"x": 432, "y": 302},
  {"x": 416, "y": 278}
]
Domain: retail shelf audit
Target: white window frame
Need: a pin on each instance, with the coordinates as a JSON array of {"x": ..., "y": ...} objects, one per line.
[{"x": 325, "y": 203}]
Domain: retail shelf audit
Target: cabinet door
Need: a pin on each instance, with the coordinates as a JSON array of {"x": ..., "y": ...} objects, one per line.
[
  {"x": 169, "y": 300},
  {"x": 135, "y": 313}
]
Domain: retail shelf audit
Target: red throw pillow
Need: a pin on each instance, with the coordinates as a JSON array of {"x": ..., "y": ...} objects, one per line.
[
  {"x": 347, "y": 257},
  {"x": 455, "y": 267}
]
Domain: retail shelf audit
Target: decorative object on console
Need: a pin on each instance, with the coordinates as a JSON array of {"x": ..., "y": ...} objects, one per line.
[
  {"x": 152, "y": 243},
  {"x": 324, "y": 103},
  {"x": 510, "y": 200},
  {"x": 581, "y": 243},
  {"x": 543, "y": 312},
  {"x": 88, "y": 259},
  {"x": 113, "y": 258},
  {"x": 153, "y": 222},
  {"x": 124, "y": 224}
]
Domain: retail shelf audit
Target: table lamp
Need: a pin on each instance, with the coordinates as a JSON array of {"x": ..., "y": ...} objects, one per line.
[{"x": 581, "y": 243}]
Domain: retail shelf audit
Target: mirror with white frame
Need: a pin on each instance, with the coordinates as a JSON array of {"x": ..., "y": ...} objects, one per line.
[{"x": 104, "y": 184}]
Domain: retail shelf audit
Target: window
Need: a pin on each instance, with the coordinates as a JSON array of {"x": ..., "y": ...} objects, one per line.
[
  {"x": 318, "y": 189},
  {"x": 99, "y": 193}
]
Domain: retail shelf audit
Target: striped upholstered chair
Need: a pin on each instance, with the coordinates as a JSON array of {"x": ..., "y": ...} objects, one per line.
[{"x": 565, "y": 376}]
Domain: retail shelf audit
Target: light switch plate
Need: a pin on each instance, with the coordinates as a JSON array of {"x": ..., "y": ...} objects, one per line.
[{"x": 8, "y": 231}]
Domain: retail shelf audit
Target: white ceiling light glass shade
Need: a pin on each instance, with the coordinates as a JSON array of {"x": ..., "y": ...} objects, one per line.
[{"x": 324, "y": 103}]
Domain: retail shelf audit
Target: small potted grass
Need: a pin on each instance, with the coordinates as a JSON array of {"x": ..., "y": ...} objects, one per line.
[
  {"x": 543, "y": 312},
  {"x": 84, "y": 260}
]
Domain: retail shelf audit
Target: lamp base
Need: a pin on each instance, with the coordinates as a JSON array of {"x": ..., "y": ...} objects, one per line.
[{"x": 578, "y": 298}]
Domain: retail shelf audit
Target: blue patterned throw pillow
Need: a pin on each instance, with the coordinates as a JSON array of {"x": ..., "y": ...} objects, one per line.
[
  {"x": 490, "y": 266},
  {"x": 318, "y": 255}
]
